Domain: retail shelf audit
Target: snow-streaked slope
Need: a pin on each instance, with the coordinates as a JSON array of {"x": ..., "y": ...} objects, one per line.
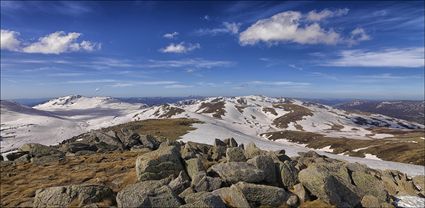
[{"x": 21, "y": 124}]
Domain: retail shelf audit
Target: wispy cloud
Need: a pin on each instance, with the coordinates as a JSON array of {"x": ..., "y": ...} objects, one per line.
[
  {"x": 70, "y": 8},
  {"x": 178, "y": 86},
  {"x": 295, "y": 67},
  {"x": 227, "y": 27},
  {"x": 54, "y": 43},
  {"x": 180, "y": 47},
  {"x": 392, "y": 57},
  {"x": 91, "y": 81},
  {"x": 279, "y": 83},
  {"x": 65, "y": 74},
  {"x": 188, "y": 63},
  {"x": 389, "y": 76},
  {"x": 326, "y": 13},
  {"x": 171, "y": 35}
]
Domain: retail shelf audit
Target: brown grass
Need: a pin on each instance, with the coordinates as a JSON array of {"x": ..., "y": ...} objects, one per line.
[
  {"x": 19, "y": 182},
  {"x": 270, "y": 110},
  {"x": 296, "y": 113},
  {"x": 405, "y": 147}
]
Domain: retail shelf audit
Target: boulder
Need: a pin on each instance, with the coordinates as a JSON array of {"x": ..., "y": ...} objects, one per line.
[
  {"x": 1, "y": 158},
  {"x": 147, "y": 194},
  {"x": 15, "y": 155},
  {"x": 180, "y": 183},
  {"x": 84, "y": 152},
  {"x": 235, "y": 154},
  {"x": 234, "y": 172},
  {"x": 251, "y": 150},
  {"x": 159, "y": 164},
  {"x": 46, "y": 160},
  {"x": 203, "y": 199},
  {"x": 288, "y": 173},
  {"x": 266, "y": 164},
  {"x": 232, "y": 196},
  {"x": 78, "y": 146},
  {"x": 39, "y": 150},
  {"x": 74, "y": 195},
  {"x": 186, "y": 192},
  {"x": 370, "y": 201},
  {"x": 330, "y": 183},
  {"x": 149, "y": 141},
  {"x": 419, "y": 182},
  {"x": 292, "y": 200},
  {"x": 218, "y": 142},
  {"x": 217, "y": 152},
  {"x": 109, "y": 138},
  {"x": 397, "y": 183},
  {"x": 300, "y": 191},
  {"x": 262, "y": 195},
  {"x": 202, "y": 182},
  {"x": 194, "y": 166},
  {"x": 369, "y": 185},
  {"x": 23, "y": 159}
]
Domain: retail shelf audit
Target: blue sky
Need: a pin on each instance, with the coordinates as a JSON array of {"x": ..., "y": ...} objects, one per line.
[{"x": 372, "y": 50}]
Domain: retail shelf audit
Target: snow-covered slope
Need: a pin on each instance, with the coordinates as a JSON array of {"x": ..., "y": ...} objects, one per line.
[{"x": 21, "y": 124}]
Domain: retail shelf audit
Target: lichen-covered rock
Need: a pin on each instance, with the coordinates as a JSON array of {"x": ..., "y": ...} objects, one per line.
[
  {"x": 217, "y": 152},
  {"x": 203, "y": 199},
  {"x": 194, "y": 166},
  {"x": 288, "y": 173},
  {"x": 235, "y": 154},
  {"x": 300, "y": 191},
  {"x": 251, "y": 150},
  {"x": 159, "y": 164},
  {"x": 78, "y": 146},
  {"x": 15, "y": 155},
  {"x": 39, "y": 150},
  {"x": 232, "y": 197},
  {"x": 330, "y": 183},
  {"x": 147, "y": 194},
  {"x": 149, "y": 141},
  {"x": 48, "y": 159},
  {"x": 267, "y": 165},
  {"x": 370, "y": 201},
  {"x": 292, "y": 201},
  {"x": 369, "y": 185},
  {"x": 234, "y": 172},
  {"x": 262, "y": 195},
  {"x": 75, "y": 195},
  {"x": 180, "y": 183},
  {"x": 218, "y": 142},
  {"x": 202, "y": 182}
]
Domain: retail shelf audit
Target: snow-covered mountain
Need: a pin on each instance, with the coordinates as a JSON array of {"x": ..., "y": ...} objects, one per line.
[{"x": 244, "y": 118}]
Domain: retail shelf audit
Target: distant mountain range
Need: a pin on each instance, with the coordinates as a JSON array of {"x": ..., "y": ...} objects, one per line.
[{"x": 407, "y": 110}]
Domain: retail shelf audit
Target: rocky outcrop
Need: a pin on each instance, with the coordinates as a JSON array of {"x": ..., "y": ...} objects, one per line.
[
  {"x": 75, "y": 195},
  {"x": 234, "y": 172},
  {"x": 262, "y": 195},
  {"x": 158, "y": 164}
]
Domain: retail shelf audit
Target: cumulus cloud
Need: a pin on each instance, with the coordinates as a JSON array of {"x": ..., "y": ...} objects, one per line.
[
  {"x": 60, "y": 42},
  {"x": 392, "y": 57},
  {"x": 315, "y": 16},
  {"x": 9, "y": 40},
  {"x": 170, "y": 35},
  {"x": 226, "y": 27},
  {"x": 54, "y": 43},
  {"x": 180, "y": 47},
  {"x": 295, "y": 27}
]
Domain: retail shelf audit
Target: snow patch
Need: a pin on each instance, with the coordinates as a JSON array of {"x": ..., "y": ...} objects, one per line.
[
  {"x": 409, "y": 201},
  {"x": 371, "y": 156}
]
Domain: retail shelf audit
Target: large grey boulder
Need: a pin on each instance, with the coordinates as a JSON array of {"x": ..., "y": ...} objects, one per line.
[
  {"x": 180, "y": 183},
  {"x": 149, "y": 141},
  {"x": 203, "y": 199},
  {"x": 147, "y": 194},
  {"x": 202, "y": 182},
  {"x": 262, "y": 195},
  {"x": 300, "y": 191},
  {"x": 48, "y": 159},
  {"x": 369, "y": 185},
  {"x": 267, "y": 165},
  {"x": 15, "y": 155},
  {"x": 109, "y": 138},
  {"x": 232, "y": 197},
  {"x": 159, "y": 164},
  {"x": 235, "y": 154},
  {"x": 39, "y": 150},
  {"x": 230, "y": 142},
  {"x": 78, "y": 146},
  {"x": 74, "y": 195},
  {"x": 288, "y": 173},
  {"x": 330, "y": 183},
  {"x": 251, "y": 150},
  {"x": 194, "y": 166},
  {"x": 217, "y": 152},
  {"x": 234, "y": 172}
]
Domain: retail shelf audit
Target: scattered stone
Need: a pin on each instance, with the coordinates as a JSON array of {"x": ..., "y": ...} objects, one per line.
[
  {"x": 203, "y": 199},
  {"x": 74, "y": 195},
  {"x": 147, "y": 194},
  {"x": 292, "y": 201},
  {"x": 369, "y": 185},
  {"x": 46, "y": 160},
  {"x": 23, "y": 159},
  {"x": 217, "y": 152},
  {"x": 159, "y": 164},
  {"x": 235, "y": 154},
  {"x": 370, "y": 201},
  {"x": 39, "y": 150},
  {"x": 15, "y": 155},
  {"x": 252, "y": 150},
  {"x": 288, "y": 173},
  {"x": 300, "y": 191},
  {"x": 149, "y": 141},
  {"x": 186, "y": 192},
  {"x": 232, "y": 196},
  {"x": 202, "y": 182},
  {"x": 266, "y": 164},
  {"x": 78, "y": 146},
  {"x": 84, "y": 152},
  {"x": 234, "y": 172},
  {"x": 218, "y": 142},
  {"x": 262, "y": 195},
  {"x": 180, "y": 183},
  {"x": 194, "y": 166}
]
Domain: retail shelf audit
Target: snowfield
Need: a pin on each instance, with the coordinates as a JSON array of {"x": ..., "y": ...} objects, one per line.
[{"x": 243, "y": 118}]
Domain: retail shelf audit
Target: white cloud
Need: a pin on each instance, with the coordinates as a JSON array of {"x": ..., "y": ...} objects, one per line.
[
  {"x": 392, "y": 57},
  {"x": 315, "y": 16},
  {"x": 9, "y": 40},
  {"x": 227, "y": 27},
  {"x": 90, "y": 81},
  {"x": 188, "y": 63},
  {"x": 170, "y": 35},
  {"x": 180, "y": 48},
  {"x": 54, "y": 43},
  {"x": 60, "y": 42},
  {"x": 295, "y": 67},
  {"x": 286, "y": 27},
  {"x": 177, "y": 86},
  {"x": 295, "y": 27},
  {"x": 279, "y": 83}
]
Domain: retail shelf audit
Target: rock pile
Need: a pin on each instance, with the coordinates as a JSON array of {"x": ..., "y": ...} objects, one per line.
[{"x": 176, "y": 174}]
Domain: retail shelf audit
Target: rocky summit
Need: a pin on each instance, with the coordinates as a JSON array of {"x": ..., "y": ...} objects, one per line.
[{"x": 177, "y": 174}]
